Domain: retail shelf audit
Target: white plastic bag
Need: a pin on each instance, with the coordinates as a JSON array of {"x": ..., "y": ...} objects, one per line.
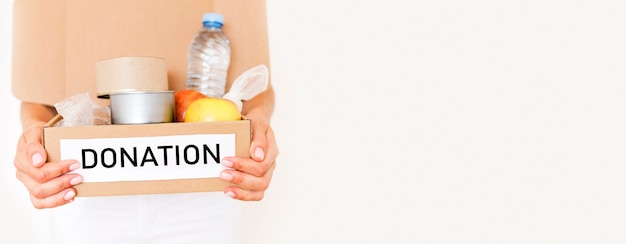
[
  {"x": 248, "y": 85},
  {"x": 76, "y": 110},
  {"x": 80, "y": 110}
]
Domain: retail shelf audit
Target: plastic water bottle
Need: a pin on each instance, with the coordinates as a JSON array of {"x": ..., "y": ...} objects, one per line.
[{"x": 209, "y": 57}]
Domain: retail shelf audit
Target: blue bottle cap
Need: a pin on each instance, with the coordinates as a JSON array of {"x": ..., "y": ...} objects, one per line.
[{"x": 213, "y": 17}]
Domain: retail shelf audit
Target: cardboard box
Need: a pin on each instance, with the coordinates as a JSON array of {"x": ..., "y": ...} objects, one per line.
[{"x": 148, "y": 158}]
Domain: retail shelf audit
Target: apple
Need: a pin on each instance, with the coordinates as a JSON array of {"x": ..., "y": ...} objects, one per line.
[
  {"x": 209, "y": 109},
  {"x": 182, "y": 99}
]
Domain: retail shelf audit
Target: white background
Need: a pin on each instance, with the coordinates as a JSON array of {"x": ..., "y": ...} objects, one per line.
[{"x": 426, "y": 122}]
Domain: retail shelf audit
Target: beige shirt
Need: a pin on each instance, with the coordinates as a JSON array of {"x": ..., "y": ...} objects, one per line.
[{"x": 58, "y": 42}]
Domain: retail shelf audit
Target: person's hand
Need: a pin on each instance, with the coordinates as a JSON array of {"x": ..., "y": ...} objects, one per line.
[
  {"x": 47, "y": 183},
  {"x": 252, "y": 176}
]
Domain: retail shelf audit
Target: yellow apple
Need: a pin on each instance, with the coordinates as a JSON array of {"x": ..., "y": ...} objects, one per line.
[
  {"x": 182, "y": 99},
  {"x": 208, "y": 109}
]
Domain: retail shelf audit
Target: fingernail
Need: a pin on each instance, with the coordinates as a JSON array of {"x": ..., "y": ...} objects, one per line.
[
  {"x": 227, "y": 163},
  {"x": 69, "y": 195},
  {"x": 230, "y": 194},
  {"x": 76, "y": 180},
  {"x": 258, "y": 152},
  {"x": 37, "y": 159},
  {"x": 74, "y": 166},
  {"x": 226, "y": 176}
]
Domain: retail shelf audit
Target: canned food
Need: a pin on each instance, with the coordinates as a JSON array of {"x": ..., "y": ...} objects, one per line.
[{"x": 142, "y": 107}]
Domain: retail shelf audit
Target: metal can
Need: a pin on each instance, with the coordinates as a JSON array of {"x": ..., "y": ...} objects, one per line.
[{"x": 142, "y": 107}]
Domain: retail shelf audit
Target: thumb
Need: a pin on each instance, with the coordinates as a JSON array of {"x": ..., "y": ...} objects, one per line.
[{"x": 33, "y": 139}]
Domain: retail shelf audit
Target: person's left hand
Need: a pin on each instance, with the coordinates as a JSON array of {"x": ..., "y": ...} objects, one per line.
[{"x": 252, "y": 176}]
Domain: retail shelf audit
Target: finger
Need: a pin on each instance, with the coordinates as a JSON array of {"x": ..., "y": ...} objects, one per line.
[
  {"x": 34, "y": 149},
  {"x": 50, "y": 170},
  {"x": 49, "y": 188},
  {"x": 259, "y": 140},
  {"x": 272, "y": 147},
  {"x": 243, "y": 195},
  {"x": 250, "y": 166},
  {"x": 59, "y": 199},
  {"x": 253, "y": 167},
  {"x": 246, "y": 165},
  {"x": 248, "y": 181}
]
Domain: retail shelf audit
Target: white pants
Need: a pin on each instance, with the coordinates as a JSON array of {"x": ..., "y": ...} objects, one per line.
[{"x": 169, "y": 218}]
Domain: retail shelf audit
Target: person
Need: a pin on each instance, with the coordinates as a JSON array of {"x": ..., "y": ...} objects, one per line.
[{"x": 56, "y": 45}]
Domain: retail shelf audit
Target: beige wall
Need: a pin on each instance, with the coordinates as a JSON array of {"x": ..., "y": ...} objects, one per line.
[{"x": 427, "y": 122}]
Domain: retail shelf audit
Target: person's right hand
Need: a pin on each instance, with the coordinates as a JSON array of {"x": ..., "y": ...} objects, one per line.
[{"x": 47, "y": 183}]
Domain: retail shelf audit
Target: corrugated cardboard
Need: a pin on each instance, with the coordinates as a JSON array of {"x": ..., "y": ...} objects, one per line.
[{"x": 241, "y": 129}]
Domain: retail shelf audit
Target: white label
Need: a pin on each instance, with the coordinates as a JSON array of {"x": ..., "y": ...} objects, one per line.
[{"x": 149, "y": 158}]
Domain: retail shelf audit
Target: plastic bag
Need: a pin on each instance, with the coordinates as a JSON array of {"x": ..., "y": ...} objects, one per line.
[
  {"x": 80, "y": 110},
  {"x": 248, "y": 85}
]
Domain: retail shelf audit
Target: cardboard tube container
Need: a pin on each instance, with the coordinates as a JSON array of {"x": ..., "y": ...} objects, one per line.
[
  {"x": 137, "y": 88},
  {"x": 130, "y": 74}
]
